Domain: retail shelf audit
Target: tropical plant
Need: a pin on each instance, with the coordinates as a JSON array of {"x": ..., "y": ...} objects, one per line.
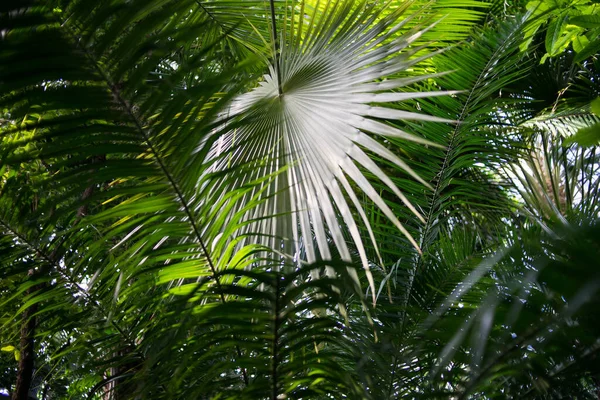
[{"x": 303, "y": 199}]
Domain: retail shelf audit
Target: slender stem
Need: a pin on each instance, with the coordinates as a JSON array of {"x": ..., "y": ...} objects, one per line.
[
  {"x": 180, "y": 196},
  {"x": 392, "y": 377},
  {"x": 275, "y": 48},
  {"x": 441, "y": 177},
  {"x": 275, "y": 360},
  {"x": 211, "y": 16}
]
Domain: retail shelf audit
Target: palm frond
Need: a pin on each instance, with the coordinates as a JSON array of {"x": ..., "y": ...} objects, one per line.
[
  {"x": 316, "y": 119},
  {"x": 557, "y": 181}
]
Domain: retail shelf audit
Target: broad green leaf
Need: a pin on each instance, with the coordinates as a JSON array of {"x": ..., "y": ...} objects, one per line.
[
  {"x": 586, "y": 21},
  {"x": 537, "y": 9},
  {"x": 559, "y": 35},
  {"x": 592, "y": 48},
  {"x": 579, "y": 43},
  {"x": 586, "y": 137},
  {"x": 595, "y": 106}
]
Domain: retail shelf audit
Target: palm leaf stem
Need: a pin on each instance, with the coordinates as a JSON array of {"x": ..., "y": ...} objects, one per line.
[
  {"x": 275, "y": 47},
  {"x": 27, "y": 345},
  {"x": 211, "y": 16},
  {"x": 453, "y": 137},
  {"x": 440, "y": 181},
  {"x": 161, "y": 164}
]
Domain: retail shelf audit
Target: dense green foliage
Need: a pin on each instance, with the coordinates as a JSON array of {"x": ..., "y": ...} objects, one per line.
[{"x": 299, "y": 199}]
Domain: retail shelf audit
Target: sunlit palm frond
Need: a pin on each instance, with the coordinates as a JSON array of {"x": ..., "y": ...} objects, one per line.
[
  {"x": 557, "y": 181},
  {"x": 564, "y": 123},
  {"x": 320, "y": 119},
  {"x": 467, "y": 198}
]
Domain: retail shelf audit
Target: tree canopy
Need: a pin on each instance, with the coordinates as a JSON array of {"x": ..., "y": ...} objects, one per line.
[{"x": 304, "y": 199}]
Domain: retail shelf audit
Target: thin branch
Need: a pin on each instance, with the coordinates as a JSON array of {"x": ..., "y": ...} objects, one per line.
[
  {"x": 211, "y": 16},
  {"x": 27, "y": 344}
]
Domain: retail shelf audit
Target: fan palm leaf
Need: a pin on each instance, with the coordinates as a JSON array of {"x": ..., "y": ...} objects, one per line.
[{"x": 320, "y": 118}]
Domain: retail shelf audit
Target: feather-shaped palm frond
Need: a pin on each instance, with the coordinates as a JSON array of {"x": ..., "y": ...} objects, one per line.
[
  {"x": 319, "y": 112},
  {"x": 166, "y": 236},
  {"x": 564, "y": 123},
  {"x": 533, "y": 330},
  {"x": 463, "y": 174},
  {"x": 467, "y": 197},
  {"x": 557, "y": 181}
]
